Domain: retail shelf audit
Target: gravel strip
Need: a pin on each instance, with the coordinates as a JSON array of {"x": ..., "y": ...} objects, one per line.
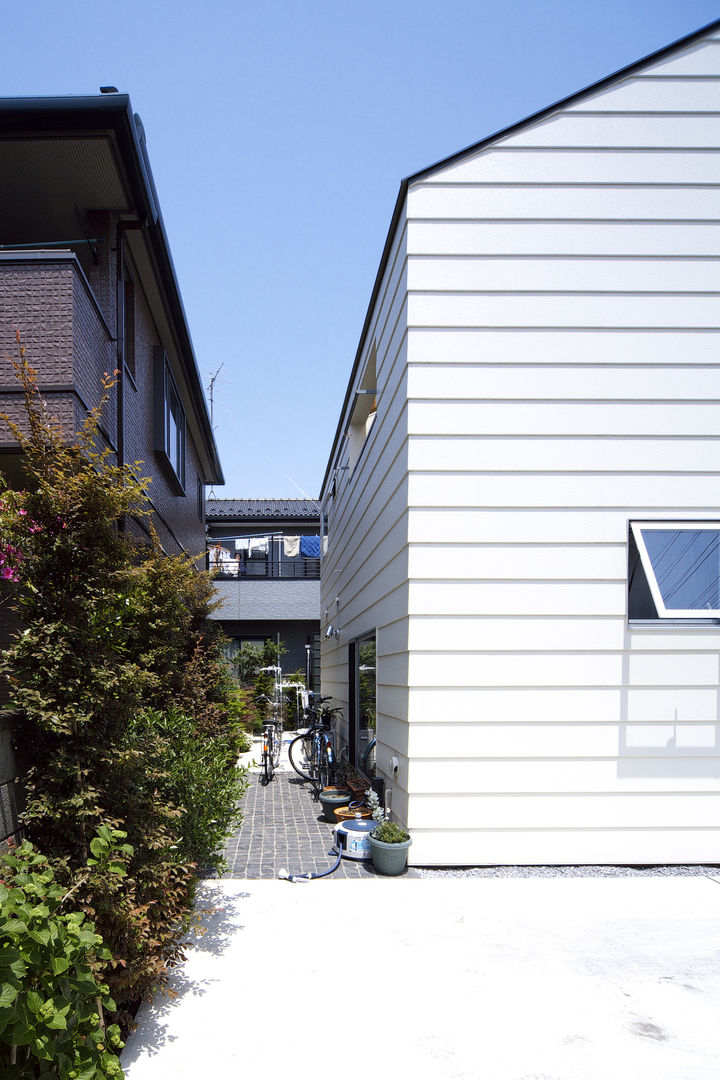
[{"x": 569, "y": 871}]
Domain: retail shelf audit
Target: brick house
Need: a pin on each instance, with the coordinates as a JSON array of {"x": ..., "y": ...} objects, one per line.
[{"x": 87, "y": 280}]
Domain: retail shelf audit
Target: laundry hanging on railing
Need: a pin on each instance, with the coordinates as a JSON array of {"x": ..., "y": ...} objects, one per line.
[
  {"x": 291, "y": 546},
  {"x": 310, "y": 547},
  {"x": 259, "y": 547}
]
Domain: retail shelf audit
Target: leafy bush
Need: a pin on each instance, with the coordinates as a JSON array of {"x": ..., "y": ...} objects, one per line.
[
  {"x": 52, "y": 1003},
  {"x": 190, "y": 773},
  {"x": 390, "y": 833},
  {"x": 111, "y": 628}
]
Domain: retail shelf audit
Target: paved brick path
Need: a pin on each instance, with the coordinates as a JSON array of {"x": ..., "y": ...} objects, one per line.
[{"x": 282, "y": 830}]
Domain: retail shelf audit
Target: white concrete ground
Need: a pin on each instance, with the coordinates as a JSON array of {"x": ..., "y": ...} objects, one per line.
[{"x": 499, "y": 979}]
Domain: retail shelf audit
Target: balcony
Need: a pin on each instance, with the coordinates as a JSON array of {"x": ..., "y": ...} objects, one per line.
[{"x": 262, "y": 558}]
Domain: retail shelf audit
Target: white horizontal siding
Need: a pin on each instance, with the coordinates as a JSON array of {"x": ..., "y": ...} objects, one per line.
[
  {"x": 557, "y": 343},
  {"x": 541, "y": 275},
  {"x": 656, "y": 95},
  {"x": 502, "y": 164},
  {"x": 564, "y": 704},
  {"x": 563, "y": 202},
  {"x": 700, "y": 59},
  {"x": 551, "y": 419},
  {"x": 527, "y": 490},
  {"x": 556, "y": 310},
  {"x": 569, "y": 347},
  {"x": 619, "y": 382},
  {"x": 448, "y": 633},
  {"x": 540, "y": 740},
  {"x": 613, "y": 132},
  {"x": 562, "y": 562},
  {"x": 563, "y": 525},
  {"x": 568, "y": 455},
  {"x": 538, "y": 847},
  {"x": 588, "y": 238},
  {"x": 517, "y": 598},
  {"x": 464, "y": 668},
  {"x": 589, "y": 811},
  {"x": 695, "y": 774}
]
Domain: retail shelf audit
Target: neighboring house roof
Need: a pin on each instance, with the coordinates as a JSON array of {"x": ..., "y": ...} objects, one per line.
[
  {"x": 468, "y": 151},
  {"x": 90, "y": 151},
  {"x": 270, "y": 509}
]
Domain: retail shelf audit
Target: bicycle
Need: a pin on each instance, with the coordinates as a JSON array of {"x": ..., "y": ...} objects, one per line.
[
  {"x": 312, "y": 752},
  {"x": 272, "y": 740}
]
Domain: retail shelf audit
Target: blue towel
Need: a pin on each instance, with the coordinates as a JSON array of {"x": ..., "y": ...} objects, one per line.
[{"x": 310, "y": 547}]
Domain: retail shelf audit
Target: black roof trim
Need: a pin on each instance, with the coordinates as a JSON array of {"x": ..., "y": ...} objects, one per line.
[
  {"x": 113, "y": 113},
  {"x": 474, "y": 148}
]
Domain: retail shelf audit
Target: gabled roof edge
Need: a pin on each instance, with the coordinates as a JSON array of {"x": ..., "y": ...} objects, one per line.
[{"x": 475, "y": 148}]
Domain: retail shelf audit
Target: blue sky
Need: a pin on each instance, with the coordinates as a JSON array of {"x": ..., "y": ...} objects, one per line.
[{"x": 278, "y": 134}]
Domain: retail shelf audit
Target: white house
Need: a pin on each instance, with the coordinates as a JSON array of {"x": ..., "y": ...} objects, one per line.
[{"x": 522, "y": 501}]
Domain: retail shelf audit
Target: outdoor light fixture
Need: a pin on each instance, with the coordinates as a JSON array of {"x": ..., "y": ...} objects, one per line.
[{"x": 332, "y": 631}]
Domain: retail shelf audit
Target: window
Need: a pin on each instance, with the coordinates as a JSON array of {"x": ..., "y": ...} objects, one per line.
[
  {"x": 674, "y": 570},
  {"x": 128, "y": 322},
  {"x": 362, "y": 697},
  {"x": 364, "y": 411},
  {"x": 169, "y": 422}
]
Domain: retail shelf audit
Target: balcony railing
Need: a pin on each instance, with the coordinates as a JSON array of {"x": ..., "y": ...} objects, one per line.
[
  {"x": 255, "y": 569},
  {"x": 252, "y": 565}
]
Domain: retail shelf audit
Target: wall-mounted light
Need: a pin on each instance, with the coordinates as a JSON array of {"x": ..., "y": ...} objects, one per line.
[{"x": 332, "y": 631}]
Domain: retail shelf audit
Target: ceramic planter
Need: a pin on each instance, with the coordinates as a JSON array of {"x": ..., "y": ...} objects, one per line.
[
  {"x": 389, "y": 859},
  {"x": 331, "y": 799}
]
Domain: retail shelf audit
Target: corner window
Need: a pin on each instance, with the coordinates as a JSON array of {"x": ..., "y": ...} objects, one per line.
[
  {"x": 362, "y": 696},
  {"x": 674, "y": 570},
  {"x": 169, "y": 422}
]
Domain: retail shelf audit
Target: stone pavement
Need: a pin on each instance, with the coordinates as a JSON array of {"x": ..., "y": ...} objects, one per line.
[{"x": 283, "y": 829}]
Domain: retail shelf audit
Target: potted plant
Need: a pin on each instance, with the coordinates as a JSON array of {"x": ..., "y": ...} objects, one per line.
[
  {"x": 389, "y": 842},
  {"x": 333, "y": 798}
]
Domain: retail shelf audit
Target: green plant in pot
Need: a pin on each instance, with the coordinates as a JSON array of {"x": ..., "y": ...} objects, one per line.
[{"x": 389, "y": 842}]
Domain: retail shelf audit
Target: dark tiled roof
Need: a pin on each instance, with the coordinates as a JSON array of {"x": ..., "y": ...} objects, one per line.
[{"x": 273, "y": 509}]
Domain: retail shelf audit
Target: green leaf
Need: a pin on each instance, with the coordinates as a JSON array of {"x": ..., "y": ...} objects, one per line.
[
  {"x": 34, "y": 1001},
  {"x": 59, "y": 965},
  {"x": 8, "y": 994}
]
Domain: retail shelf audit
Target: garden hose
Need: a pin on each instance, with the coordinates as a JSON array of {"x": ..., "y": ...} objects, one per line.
[{"x": 285, "y": 876}]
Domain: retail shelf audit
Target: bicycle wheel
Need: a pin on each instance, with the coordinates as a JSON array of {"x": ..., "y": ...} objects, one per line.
[
  {"x": 267, "y": 758},
  {"x": 325, "y": 766},
  {"x": 298, "y": 754},
  {"x": 277, "y": 744}
]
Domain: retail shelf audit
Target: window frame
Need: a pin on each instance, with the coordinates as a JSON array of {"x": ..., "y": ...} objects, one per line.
[
  {"x": 169, "y": 407},
  {"x": 664, "y": 614}
]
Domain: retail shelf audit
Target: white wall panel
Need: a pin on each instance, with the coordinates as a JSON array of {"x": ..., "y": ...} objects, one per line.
[
  {"x": 642, "y": 811},
  {"x": 502, "y": 164},
  {"x": 465, "y": 201},
  {"x": 467, "y": 489},
  {"x": 446, "y": 381},
  {"x": 701, "y": 59},
  {"x": 563, "y": 238},
  {"x": 517, "y": 598},
  {"x": 521, "y": 740},
  {"x": 698, "y": 774},
  {"x": 667, "y": 669},
  {"x": 448, "y": 633},
  {"x": 538, "y": 847},
  {"x": 554, "y": 310},
  {"x": 656, "y": 95},
  {"x": 548, "y": 418},
  {"x": 634, "y": 132},
  {"x": 514, "y": 669},
  {"x": 481, "y": 345},
  {"x": 569, "y": 455},
  {"x": 448, "y": 562},
  {"x": 563, "y": 274},
  {"x": 477, "y": 525},
  {"x": 511, "y": 706}
]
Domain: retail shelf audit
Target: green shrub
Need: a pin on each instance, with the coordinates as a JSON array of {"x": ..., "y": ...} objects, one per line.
[
  {"x": 193, "y": 774},
  {"x": 390, "y": 833},
  {"x": 52, "y": 1003}
]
